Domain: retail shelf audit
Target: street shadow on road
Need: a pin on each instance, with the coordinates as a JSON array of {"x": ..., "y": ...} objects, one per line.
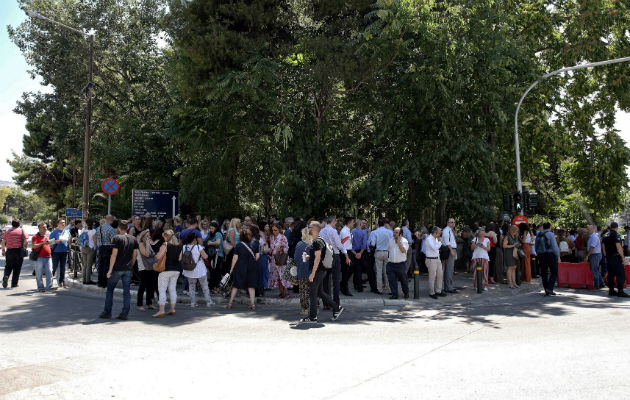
[{"x": 65, "y": 307}]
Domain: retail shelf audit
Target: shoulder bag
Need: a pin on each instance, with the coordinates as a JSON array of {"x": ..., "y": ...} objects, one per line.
[
  {"x": 160, "y": 265},
  {"x": 227, "y": 246}
]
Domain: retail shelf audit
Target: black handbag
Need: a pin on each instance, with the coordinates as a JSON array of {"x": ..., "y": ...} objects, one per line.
[
  {"x": 445, "y": 252},
  {"x": 34, "y": 255}
]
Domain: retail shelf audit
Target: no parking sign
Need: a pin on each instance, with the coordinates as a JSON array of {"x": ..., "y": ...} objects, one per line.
[{"x": 110, "y": 187}]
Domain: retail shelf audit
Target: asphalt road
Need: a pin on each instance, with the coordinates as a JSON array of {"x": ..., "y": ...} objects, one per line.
[{"x": 573, "y": 346}]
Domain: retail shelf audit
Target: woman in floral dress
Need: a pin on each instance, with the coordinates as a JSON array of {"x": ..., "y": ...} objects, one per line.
[{"x": 278, "y": 246}]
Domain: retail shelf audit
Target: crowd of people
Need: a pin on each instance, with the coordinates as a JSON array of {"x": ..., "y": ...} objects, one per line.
[{"x": 305, "y": 257}]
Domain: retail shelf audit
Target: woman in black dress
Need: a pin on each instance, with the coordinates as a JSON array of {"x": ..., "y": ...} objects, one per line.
[{"x": 244, "y": 270}]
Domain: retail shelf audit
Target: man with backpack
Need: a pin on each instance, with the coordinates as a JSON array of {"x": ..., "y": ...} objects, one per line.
[
  {"x": 548, "y": 257},
  {"x": 319, "y": 260}
]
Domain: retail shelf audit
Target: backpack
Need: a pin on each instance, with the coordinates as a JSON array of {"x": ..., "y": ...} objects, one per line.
[
  {"x": 327, "y": 261},
  {"x": 188, "y": 262},
  {"x": 541, "y": 244},
  {"x": 84, "y": 240},
  {"x": 564, "y": 247}
]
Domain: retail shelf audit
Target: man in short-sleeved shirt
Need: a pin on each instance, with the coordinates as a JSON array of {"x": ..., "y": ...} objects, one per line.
[
  {"x": 124, "y": 251},
  {"x": 12, "y": 242},
  {"x": 124, "y": 246},
  {"x": 193, "y": 226}
]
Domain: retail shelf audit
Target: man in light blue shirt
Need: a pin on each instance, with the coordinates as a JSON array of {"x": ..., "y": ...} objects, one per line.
[
  {"x": 380, "y": 240},
  {"x": 549, "y": 260},
  {"x": 358, "y": 255},
  {"x": 331, "y": 237},
  {"x": 594, "y": 255}
]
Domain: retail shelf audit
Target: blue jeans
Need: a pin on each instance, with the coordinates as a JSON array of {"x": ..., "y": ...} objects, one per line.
[
  {"x": 111, "y": 285},
  {"x": 59, "y": 261},
  {"x": 594, "y": 260},
  {"x": 44, "y": 265}
]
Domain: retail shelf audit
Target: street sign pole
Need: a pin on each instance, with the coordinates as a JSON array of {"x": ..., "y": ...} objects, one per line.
[
  {"x": 110, "y": 187},
  {"x": 174, "y": 198}
]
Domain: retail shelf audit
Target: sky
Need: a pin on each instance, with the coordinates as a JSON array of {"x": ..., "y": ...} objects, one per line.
[{"x": 14, "y": 80}]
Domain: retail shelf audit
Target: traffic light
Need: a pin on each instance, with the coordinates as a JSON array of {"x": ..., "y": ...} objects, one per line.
[
  {"x": 525, "y": 200},
  {"x": 507, "y": 203},
  {"x": 518, "y": 202},
  {"x": 533, "y": 200}
]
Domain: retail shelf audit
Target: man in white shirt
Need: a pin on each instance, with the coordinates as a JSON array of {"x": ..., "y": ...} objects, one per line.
[
  {"x": 346, "y": 242},
  {"x": 432, "y": 248},
  {"x": 397, "y": 249},
  {"x": 449, "y": 238}
]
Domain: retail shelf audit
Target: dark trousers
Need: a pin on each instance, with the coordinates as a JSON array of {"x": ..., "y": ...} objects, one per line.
[
  {"x": 215, "y": 273},
  {"x": 316, "y": 291},
  {"x": 59, "y": 261},
  {"x": 346, "y": 272},
  {"x": 335, "y": 272},
  {"x": 105, "y": 253},
  {"x": 492, "y": 254},
  {"x": 615, "y": 270},
  {"x": 548, "y": 270},
  {"x": 148, "y": 281},
  {"x": 13, "y": 265},
  {"x": 535, "y": 267},
  {"x": 357, "y": 265},
  {"x": 397, "y": 272}
]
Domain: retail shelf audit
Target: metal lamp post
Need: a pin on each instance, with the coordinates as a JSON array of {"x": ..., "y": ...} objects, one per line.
[
  {"x": 519, "y": 183},
  {"x": 88, "y": 121}
]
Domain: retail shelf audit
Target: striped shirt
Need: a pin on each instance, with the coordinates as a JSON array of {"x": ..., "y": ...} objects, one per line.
[{"x": 14, "y": 238}]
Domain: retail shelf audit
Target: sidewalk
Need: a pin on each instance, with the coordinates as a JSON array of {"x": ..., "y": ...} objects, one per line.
[{"x": 463, "y": 282}]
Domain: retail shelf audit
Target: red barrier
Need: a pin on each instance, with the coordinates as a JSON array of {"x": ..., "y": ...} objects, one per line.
[{"x": 575, "y": 275}]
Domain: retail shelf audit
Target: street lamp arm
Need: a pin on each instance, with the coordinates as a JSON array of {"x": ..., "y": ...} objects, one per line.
[
  {"x": 37, "y": 15},
  {"x": 519, "y": 183}
]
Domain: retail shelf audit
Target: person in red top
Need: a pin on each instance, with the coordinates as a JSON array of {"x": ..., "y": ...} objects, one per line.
[
  {"x": 41, "y": 246},
  {"x": 12, "y": 242}
]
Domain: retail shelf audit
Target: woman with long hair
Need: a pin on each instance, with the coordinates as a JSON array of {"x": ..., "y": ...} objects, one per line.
[
  {"x": 511, "y": 242},
  {"x": 300, "y": 256},
  {"x": 279, "y": 246},
  {"x": 244, "y": 270},
  {"x": 167, "y": 280},
  {"x": 526, "y": 263}
]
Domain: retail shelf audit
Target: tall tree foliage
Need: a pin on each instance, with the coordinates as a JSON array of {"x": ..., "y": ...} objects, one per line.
[{"x": 309, "y": 107}]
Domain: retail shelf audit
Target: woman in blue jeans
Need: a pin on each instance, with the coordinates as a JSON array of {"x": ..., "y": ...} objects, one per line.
[{"x": 59, "y": 238}]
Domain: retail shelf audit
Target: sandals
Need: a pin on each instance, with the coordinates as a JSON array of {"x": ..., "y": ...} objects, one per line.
[
  {"x": 141, "y": 309},
  {"x": 170, "y": 313},
  {"x": 252, "y": 306},
  {"x": 158, "y": 315},
  {"x": 150, "y": 307},
  {"x": 229, "y": 306}
]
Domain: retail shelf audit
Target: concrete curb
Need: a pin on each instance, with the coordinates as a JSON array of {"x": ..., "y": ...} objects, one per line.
[{"x": 466, "y": 297}]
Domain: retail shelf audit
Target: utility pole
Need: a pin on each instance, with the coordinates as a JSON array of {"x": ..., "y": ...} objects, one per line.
[{"x": 88, "y": 120}]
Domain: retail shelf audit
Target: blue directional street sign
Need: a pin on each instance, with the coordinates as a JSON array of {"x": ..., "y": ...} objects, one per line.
[
  {"x": 74, "y": 213},
  {"x": 160, "y": 203}
]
